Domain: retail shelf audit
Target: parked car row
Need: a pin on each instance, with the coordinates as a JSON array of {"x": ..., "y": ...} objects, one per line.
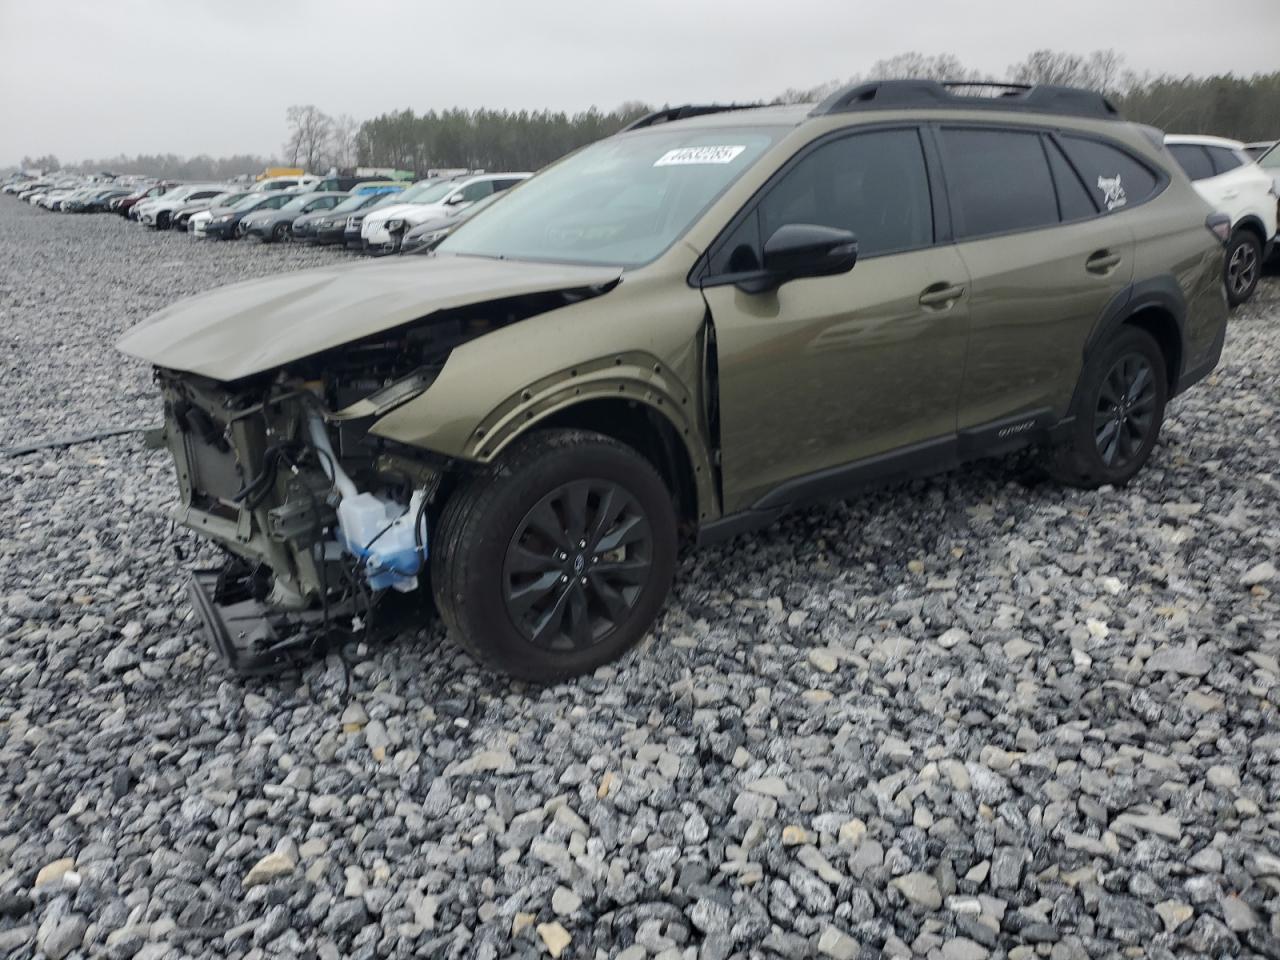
[
  {"x": 1227, "y": 175},
  {"x": 370, "y": 216}
]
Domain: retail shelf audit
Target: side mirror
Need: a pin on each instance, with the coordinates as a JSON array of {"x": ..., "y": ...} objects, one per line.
[
  {"x": 803, "y": 250},
  {"x": 455, "y": 199}
]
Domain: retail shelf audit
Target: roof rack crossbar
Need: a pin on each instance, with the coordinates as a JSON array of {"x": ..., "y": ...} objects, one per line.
[
  {"x": 957, "y": 95},
  {"x": 668, "y": 114}
]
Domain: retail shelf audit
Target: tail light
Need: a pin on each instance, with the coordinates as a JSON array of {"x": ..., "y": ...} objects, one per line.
[{"x": 1219, "y": 225}]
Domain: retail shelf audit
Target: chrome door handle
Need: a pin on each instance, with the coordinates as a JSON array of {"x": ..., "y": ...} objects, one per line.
[{"x": 941, "y": 294}]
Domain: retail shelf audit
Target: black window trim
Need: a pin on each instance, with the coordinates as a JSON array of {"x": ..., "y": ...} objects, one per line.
[
  {"x": 699, "y": 276},
  {"x": 1055, "y": 133},
  {"x": 1047, "y": 141}
]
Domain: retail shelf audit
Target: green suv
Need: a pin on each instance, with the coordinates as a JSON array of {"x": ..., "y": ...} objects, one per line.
[{"x": 676, "y": 334}]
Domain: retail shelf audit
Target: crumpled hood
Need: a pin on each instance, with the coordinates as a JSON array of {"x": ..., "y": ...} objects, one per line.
[{"x": 251, "y": 327}]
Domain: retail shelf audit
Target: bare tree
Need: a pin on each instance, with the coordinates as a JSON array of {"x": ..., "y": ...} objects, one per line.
[
  {"x": 921, "y": 66},
  {"x": 1107, "y": 72},
  {"x": 344, "y": 141},
  {"x": 812, "y": 94},
  {"x": 310, "y": 132}
]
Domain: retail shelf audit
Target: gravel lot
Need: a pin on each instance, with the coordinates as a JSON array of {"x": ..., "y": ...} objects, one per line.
[{"x": 965, "y": 717}]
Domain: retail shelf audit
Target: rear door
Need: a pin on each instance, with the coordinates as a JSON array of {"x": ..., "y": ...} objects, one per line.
[
  {"x": 1040, "y": 225},
  {"x": 824, "y": 372}
]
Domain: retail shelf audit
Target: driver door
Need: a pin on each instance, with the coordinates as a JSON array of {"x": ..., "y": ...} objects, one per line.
[{"x": 826, "y": 377}]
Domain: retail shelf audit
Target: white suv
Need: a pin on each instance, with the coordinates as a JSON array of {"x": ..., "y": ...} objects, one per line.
[
  {"x": 1229, "y": 179},
  {"x": 382, "y": 231},
  {"x": 158, "y": 211}
]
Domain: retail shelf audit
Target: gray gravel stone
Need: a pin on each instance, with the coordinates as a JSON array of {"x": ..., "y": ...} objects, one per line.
[{"x": 1056, "y": 706}]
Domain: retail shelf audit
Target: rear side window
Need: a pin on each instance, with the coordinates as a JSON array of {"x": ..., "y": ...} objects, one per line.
[
  {"x": 1115, "y": 178},
  {"x": 1193, "y": 159},
  {"x": 1074, "y": 201},
  {"x": 999, "y": 181},
  {"x": 873, "y": 184},
  {"x": 1224, "y": 159}
]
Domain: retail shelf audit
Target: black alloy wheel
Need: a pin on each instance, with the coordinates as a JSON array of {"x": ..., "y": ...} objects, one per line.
[
  {"x": 577, "y": 564},
  {"x": 558, "y": 557},
  {"x": 1116, "y": 416},
  {"x": 1243, "y": 268},
  {"x": 280, "y": 233},
  {"x": 1125, "y": 411}
]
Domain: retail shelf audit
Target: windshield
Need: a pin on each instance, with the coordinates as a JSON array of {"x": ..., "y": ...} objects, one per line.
[
  {"x": 622, "y": 201},
  {"x": 249, "y": 201},
  {"x": 356, "y": 202},
  {"x": 387, "y": 201},
  {"x": 299, "y": 203},
  {"x": 426, "y": 192}
]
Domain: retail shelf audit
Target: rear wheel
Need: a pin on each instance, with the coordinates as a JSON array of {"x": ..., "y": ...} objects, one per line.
[
  {"x": 1119, "y": 408},
  {"x": 1243, "y": 266},
  {"x": 558, "y": 559}
]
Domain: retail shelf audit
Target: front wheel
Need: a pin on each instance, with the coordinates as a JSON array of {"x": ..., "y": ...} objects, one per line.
[
  {"x": 558, "y": 558},
  {"x": 1243, "y": 266},
  {"x": 1119, "y": 409},
  {"x": 280, "y": 233}
]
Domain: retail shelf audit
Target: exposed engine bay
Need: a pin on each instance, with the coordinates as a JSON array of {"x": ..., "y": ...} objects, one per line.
[{"x": 326, "y": 526}]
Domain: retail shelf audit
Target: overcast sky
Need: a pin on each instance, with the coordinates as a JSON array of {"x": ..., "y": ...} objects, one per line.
[{"x": 101, "y": 77}]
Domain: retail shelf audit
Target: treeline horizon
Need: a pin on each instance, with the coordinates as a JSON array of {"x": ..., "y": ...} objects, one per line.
[{"x": 1241, "y": 108}]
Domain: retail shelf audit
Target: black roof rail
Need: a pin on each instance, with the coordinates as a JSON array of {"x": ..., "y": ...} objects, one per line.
[
  {"x": 668, "y": 114},
  {"x": 967, "y": 95}
]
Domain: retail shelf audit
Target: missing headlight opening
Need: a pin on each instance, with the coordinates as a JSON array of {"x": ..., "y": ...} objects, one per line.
[{"x": 326, "y": 526}]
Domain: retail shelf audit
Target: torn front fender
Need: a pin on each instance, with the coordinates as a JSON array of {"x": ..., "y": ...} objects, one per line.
[{"x": 641, "y": 343}]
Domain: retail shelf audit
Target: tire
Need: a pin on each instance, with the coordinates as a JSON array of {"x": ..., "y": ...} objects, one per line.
[
  {"x": 496, "y": 576},
  {"x": 1114, "y": 430},
  {"x": 162, "y": 221},
  {"x": 280, "y": 232},
  {"x": 1242, "y": 267}
]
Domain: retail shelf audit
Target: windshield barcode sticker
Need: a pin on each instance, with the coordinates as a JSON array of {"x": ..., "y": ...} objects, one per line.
[{"x": 684, "y": 155}]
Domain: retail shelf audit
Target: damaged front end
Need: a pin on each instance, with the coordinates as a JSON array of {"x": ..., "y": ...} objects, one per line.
[
  {"x": 276, "y": 392},
  {"x": 326, "y": 525}
]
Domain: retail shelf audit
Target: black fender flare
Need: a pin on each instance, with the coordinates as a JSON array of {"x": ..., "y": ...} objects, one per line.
[{"x": 1161, "y": 292}]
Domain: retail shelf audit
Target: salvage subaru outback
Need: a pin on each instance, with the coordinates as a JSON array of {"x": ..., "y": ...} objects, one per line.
[{"x": 680, "y": 332}]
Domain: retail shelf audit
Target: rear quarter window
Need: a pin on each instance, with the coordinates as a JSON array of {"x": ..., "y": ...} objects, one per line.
[
  {"x": 1193, "y": 160},
  {"x": 1224, "y": 159},
  {"x": 1115, "y": 178}
]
